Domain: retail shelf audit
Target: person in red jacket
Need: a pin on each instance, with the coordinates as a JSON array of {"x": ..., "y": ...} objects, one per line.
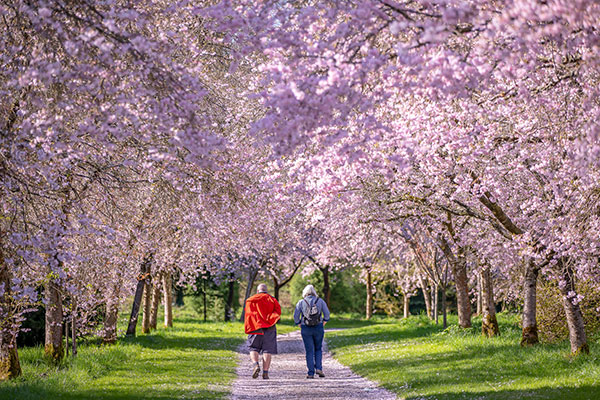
[{"x": 262, "y": 313}]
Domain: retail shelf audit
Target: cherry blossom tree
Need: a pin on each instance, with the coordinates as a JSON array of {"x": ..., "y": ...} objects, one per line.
[{"x": 143, "y": 140}]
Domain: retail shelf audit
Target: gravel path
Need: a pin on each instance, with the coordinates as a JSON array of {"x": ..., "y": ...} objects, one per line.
[{"x": 288, "y": 377}]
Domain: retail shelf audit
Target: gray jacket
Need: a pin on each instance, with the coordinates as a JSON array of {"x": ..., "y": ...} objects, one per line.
[{"x": 302, "y": 309}]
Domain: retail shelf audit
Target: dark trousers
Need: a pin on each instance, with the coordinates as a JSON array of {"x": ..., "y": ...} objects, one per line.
[{"x": 312, "y": 336}]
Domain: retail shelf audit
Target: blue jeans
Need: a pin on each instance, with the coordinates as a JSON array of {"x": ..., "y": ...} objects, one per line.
[{"x": 312, "y": 336}]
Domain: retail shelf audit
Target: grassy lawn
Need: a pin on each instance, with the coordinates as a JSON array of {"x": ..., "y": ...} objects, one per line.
[
  {"x": 194, "y": 360},
  {"x": 413, "y": 358},
  {"x": 417, "y": 360}
]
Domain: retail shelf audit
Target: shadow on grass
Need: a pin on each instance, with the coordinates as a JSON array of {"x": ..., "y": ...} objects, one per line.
[
  {"x": 161, "y": 373},
  {"x": 187, "y": 362},
  {"x": 181, "y": 321},
  {"x": 445, "y": 369},
  {"x": 587, "y": 392},
  {"x": 345, "y": 323},
  {"x": 374, "y": 336},
  {"x": 466, "y": 373},
  {"x": 161, "y": 342},
  {"x": 420, "y": 361},
  {"x": 123, "y": 392}
]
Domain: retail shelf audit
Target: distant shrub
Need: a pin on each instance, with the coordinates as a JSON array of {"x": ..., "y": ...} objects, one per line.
[
  {"x": 456, "y": 330},
  {"x": 348, "y": 295},
  {"x": 215, "y": 299},
  {"x": 551, "y": 319},
  {"x": 387, "y": 301},
  {"x": 215, "y": 307}
]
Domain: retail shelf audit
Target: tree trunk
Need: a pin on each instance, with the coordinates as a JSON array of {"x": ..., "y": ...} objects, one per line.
[
  {"x": 9, "y": 357},
  {"x": 479, "y": 295},
  {"x": 252, "y": 273},
  {"x": 276, "y": 288},
  {"x": 489, "y": 323},
  {"x": 435, "y": 303},
  {"x": 462, "y": 293},
  {"x": 168, "y": 299},
  {"x": 369, "y": 311},
  {"x": 277, "y": 285},
  {"x": 426, "y": 295},
  {"x": 577, "y": 336},
  {"x": 156, "y": 294},
  {"x": 204, "y": 305},
  {"x": 54, "y": 347},
  {"x": 111, "y": 318},
  {"x": 147, "y": 304},
  {"x": 406, "y": 301},
  {"x": 459, "y": 269},
  {"x": 67, "y": 338},
  {"x": 74, "y": 325},
  {"x": 444, "y": 307},
  {"x": 326, "y": 287},
  {"x": 229, "y": 302},
  {"x": 137, "y": 299},
  {"x": 462, "y": 296},
  {"x": 529, "y": 321}
]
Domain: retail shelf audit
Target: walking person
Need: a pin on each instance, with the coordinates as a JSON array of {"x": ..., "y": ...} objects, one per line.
[
  {"x": 311, "y": 314},
  {"x": 262, "y": 313}
]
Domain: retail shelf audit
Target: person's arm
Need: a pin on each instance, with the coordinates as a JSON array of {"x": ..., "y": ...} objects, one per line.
[
  {"x": 247, "y": 327},
  {"x": 297, "y": 314},
  {"x": 325, "y": 311},
  {"x": 274, "y": 313}
]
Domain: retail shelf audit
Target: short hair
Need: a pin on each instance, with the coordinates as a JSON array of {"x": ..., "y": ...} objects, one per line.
[
  {"x": 309, "y": 290},
  {"x": 262, "y": 288}
]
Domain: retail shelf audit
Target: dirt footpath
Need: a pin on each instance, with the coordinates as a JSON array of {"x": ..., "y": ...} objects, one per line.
[{"x": 288, "y": 377}]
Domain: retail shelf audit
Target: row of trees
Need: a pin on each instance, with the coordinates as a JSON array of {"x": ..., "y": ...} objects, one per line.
[
  {"x": 439, "y": 143},
  {"x": 471, "y": 127}
]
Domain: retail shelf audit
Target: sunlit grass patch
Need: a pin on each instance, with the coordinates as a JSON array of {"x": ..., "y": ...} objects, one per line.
[
  {"x": 418, "y": 360},
  {"x": 194, "y": 360}
]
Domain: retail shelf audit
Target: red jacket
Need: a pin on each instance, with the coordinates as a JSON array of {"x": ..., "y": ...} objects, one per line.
[{"x": 262, "y": 311}]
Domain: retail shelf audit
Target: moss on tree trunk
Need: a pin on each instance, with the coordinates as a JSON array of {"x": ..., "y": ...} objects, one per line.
[
  {"x": 9, "y": 360},
  {"x": 369, "y": 310},
  {"x": 9, "y": 357},
  {"x": 54, "y": 353},
  {"x": 156, "y": 294},
  {"x": 110, "y": 322},
  {"x": 530, "y": 336},
  {"x": 530, "y": 330},
  {"x": 168, "y": 299},
  {"x": 489, "y": 323},
  {"x": 577, "y": 335},
  {"x": 147, "y": 306},
  {"x": 54, "y": 348}
]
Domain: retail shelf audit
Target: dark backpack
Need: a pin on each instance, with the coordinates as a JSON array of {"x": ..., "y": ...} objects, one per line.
[{"x": 313, "y": 318}]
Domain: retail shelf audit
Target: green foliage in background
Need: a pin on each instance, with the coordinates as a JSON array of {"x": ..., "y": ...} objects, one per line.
[
  {"x": 551, "y": 319},
  {"x": 215, "y": 294},
  {"x": 348, "y": 295}
]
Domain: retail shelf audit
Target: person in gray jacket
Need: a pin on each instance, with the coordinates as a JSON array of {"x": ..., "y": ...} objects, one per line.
[{"x": 311, "y": 314}]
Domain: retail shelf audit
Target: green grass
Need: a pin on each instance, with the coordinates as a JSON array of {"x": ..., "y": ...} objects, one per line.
[
  {"x": 194, "y": 360},
  {"x": 414, "y": 358},
  {"x": 417, "y": 360}
]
